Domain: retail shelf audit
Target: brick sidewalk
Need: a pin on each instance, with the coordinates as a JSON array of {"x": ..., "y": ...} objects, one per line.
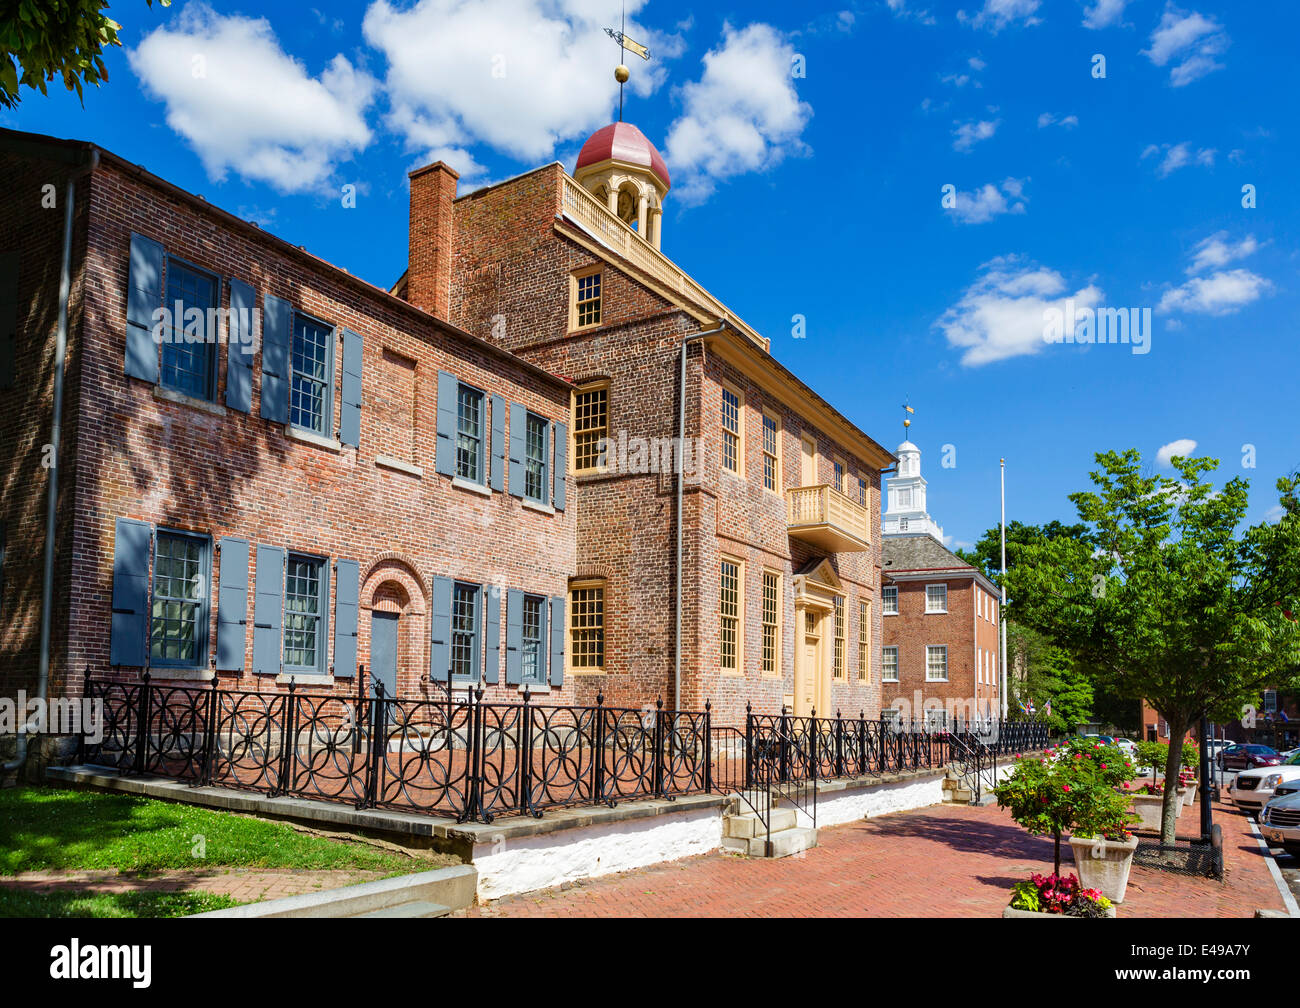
[
  {"x": 243, "y": 884},
  {"x": 943, "y": 861}
]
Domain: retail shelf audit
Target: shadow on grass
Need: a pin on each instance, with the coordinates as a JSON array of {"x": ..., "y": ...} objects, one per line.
[{"x": 16, "y": 902}]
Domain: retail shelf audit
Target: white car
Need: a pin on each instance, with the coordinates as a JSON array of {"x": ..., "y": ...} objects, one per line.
[
  {"x": 1251, "y": 789},
  {"x": 1280, "y": 823},
  {"x": 1128, "y": 747}
]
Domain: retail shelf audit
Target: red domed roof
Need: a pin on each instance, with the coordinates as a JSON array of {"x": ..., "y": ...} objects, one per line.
[{"x": 623, "y": 142}]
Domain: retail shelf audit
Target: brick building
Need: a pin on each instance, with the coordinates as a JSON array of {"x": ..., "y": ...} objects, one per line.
[
  {"x": 940, "y": 632},
  {"x": 546, "y": 456},
  {"x": 315, "y": 474}
]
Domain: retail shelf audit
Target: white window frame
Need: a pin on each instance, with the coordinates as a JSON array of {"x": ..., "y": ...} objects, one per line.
[
  {"x": 884, "y": 665},
  {"x": 886, "y": 593},
  {"x": 936, "y": 612},
  {"x": 936, "y": 647}
]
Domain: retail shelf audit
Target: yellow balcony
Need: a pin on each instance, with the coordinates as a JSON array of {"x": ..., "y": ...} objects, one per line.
[{"x": 827, "y": 519}]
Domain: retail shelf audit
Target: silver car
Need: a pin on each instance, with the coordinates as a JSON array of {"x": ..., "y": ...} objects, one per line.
[
  {"x": 1251, "y": 789},
  {"x": 1280, "y": 823}
]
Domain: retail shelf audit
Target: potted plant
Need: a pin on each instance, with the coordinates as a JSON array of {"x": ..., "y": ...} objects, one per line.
[
  {"x": 1054, "y": 896},
  {"x": 1078, "y": 788},
  {"x": 1148, "y": 804}
]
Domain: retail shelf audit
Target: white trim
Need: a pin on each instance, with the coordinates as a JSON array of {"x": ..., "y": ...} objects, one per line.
[
  {"x": 298, "y": 434},
  {"x": 545, "y": 509},
  {"x": 936, "y": 612},
  {"x": 464, "y": 484},
  {"x": 945, "y": 662},
  {"x": 388, "y": 462}
]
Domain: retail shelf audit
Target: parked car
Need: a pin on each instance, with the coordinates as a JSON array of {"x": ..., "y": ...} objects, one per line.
[
  {"x": 1252, "y": 789},
  {"x": 1128, "y": 747},
  {"x": 1103, "y": 739},
  {"x": 1248, "y": 757},
  {"x": 1216, "y": 745},
  {"x": 1280, "y": 823}
]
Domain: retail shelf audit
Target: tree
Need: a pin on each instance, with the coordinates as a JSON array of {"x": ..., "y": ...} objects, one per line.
[
  {"x": 986, "y": 555},
  {"x": 1166, "y": 597},
  {"x": 42, "y": 39},
  {"x": 1047, "y": 674}
]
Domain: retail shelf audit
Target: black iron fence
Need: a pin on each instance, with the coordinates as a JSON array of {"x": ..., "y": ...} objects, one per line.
[{"x": 462, "y": 757}]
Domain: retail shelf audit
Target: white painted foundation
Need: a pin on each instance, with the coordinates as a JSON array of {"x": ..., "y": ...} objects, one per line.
[{"x": 837, "y": 807}]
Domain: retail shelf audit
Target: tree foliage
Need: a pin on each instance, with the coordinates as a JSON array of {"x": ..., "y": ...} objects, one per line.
[
  {"x": 44, "y": 39},
  {"x": 1166, "y": 596},
  {"x": 1046, "y": 673}
]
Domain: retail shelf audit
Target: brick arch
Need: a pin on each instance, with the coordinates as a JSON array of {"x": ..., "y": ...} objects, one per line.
[
  {"x": 395, "y": 567},
  {"x": 392, "y": 584}
]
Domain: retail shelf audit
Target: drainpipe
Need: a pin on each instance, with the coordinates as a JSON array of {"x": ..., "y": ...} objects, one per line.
[
  {"x": 51, "y": 508},
  {"x": 681, "y": 479}
]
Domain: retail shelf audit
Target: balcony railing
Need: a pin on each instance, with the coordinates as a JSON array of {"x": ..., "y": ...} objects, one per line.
[
  {"x": 828, "y": 519},
  {"x": 595, "y": 218}
]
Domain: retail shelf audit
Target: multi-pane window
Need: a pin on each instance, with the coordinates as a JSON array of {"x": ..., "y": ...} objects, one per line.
[
  {"x": 464, "y": 630},
  {"x": 188, "y": 363},
  {"x": 531, "y": 639},
  {"x": 864, "y": 640},
  {"x": 839, "y": 475},
  {"x": 771, "y": 473},
  {"x": 587, "y": 623},
  {"x": 729, "y": 616},
  {"x": 311, "y": 392},
  {"x": 905, "y": 498},
  {"x": 179, "y": 620},
  {"x": 771, "y": 606},
  {"x": 536, "y": 431},
  {"x": 936, "y": 662},
  {"x": 469, "y": 434},
  {"x": 838, "y": 669},
  {"x": 586, "y": 306},
  {"x": 936, "y": 598},
  {"x": 730, "y": 430},
  {"x": 304, "y": 608},
  {"x": 590, "y": 428},
  {"x": 891, "y": 717},
  {"x": 889, "y": 663},
  {"x": 889, "y": 600},
  {"x": 862, "y": 491}
]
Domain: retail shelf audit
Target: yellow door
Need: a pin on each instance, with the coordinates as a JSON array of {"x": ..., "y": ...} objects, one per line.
[
  {"x": 808, "y": 471},
  {"x": 808, "y": 686}
]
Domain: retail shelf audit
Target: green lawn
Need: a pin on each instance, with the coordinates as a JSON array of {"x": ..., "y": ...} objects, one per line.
[{"x": 47, "y": 829}]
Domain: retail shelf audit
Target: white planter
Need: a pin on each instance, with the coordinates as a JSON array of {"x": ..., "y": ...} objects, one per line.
[
  {"x": 1148, "y": 808},
  {"x": 1189, "y": 792},
  {"x": 1104, "y": 864}
]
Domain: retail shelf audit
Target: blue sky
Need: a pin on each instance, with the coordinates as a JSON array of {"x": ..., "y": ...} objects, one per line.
[{"x": 819, "y": 192}]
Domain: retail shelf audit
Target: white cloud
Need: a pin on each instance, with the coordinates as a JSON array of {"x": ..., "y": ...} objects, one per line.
[
  {"x": 1220, "y": 293},
  {"x": 1003, "y": 313},
  {"x": 1104, "y": 13},
  {"x": 967, "y": 135},
  {"x": 989, "y": 201},
  {"x": 903, "y": 9},
  {"x": 975, "y": 63},
  {"x": 1182, "y": 447},
  {"x": 1187, "y": 44},
  {"x": 1179, "y": 156},
  {"x": 998, "y": 14},
  {"x": 246, "y": 106},
  {"x": 519, "y": 76},
  {"x": 742, "y": 115},
  {"x": 1048, "y": 119},
  {"x": 1216, "y": 251}
]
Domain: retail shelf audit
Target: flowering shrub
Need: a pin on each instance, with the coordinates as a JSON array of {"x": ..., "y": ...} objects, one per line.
[
  {"x": 1077, "y": 787},
  {"x": 1057, "y": 894}
]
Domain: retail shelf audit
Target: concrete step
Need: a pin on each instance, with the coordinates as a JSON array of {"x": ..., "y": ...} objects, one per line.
[
  {"x": 787, "y": 842},
  {"x": 416, "y": 908},
  {"x": 747, "y": 824}
]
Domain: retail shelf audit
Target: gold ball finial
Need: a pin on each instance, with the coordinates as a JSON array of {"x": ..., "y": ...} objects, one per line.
[
  {"x": 622, "y": 73},
  {"x": 907, "y": 423}
]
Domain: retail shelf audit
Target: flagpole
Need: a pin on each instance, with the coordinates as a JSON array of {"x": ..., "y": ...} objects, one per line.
[{"x": 1002, "y": 611}]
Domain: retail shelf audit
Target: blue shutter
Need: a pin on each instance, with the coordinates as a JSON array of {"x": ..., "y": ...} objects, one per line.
[
  {"x": 542, "y": 640},
  {"x": 498, "y": 443},
  {"x": 445, "y": 451},
  {"x": 514, "y": 637},
  {"x": 239, "y": 347},
  {"x": 131, "y": 550},
  {"x": 346, "y": 598},
  {"x": 440, "y": 625},
  {"x": 8, "y": 317},
  {"x": 232, "y": 605},
  {"x": 268, "y": 611},
  {"x": 561, "y": 467},
  {"x": 492, "y": 634},
  {"x": 144, "y": 295},
  {"x": 517, "y": 435},
  {"x": 277, "y": 323},
  {"x": 557, "y": 640},
  {"x": 350, "y": 415}
]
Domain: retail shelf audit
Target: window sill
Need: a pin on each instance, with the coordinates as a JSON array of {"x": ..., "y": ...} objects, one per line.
[
  {"x": 534, "y": 689},
  {"x": 181, "y": 674},
  {"x": 464, "y": 484},
  {"x": 584, "y": 671},
  {"x": 889, "y": 682},
  {"x": 944, "y": 679},
  {"x": 306, "y": 437},
  {"x": 889, "y": 614},
  {"x": 388, "y": 462},
  {"x": 305, "y": 679},
  {"x": 545, "y": 509},
  {"x": 936, "y": 612},
  {"x": 182, "y": 399}
]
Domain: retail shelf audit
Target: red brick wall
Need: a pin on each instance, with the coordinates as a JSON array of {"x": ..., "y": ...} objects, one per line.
[{"x": 238, "y": 474}]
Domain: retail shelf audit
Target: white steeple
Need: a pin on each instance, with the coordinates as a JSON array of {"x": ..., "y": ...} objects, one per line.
[{"x": 905, "y": 512}]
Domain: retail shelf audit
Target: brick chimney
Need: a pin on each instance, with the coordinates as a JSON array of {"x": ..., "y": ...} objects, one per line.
[{"x": 428, "y": 264}]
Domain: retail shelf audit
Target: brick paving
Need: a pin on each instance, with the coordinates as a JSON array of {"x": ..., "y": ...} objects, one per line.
[
  {"x": 242, "y": 884},
  {"x": 943, "y": 861}
]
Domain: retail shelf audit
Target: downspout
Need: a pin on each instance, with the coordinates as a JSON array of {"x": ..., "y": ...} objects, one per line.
[
  {"x": 51, "y": 508},
  {"x": 681, "y": 479}
]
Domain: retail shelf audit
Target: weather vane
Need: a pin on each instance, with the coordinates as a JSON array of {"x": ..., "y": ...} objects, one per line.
[
  {"x": 621, "y": 72},
  {"x": 906, "y": 422}
]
